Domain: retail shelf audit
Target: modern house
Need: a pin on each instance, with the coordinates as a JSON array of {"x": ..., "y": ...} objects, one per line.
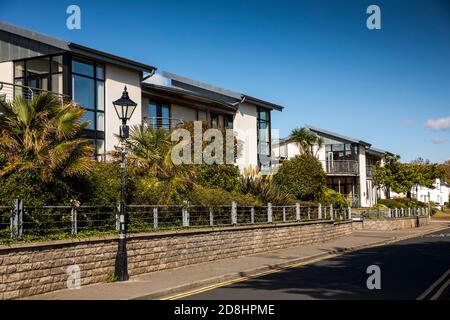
[
  {"x": 348, "y": 163},
  {"x": 31, "y": 63}
]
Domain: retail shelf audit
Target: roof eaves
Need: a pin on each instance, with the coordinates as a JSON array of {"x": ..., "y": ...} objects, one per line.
[{"x": 188, "y": 93}]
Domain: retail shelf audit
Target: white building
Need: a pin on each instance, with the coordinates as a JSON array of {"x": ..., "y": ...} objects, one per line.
[
  {"x": 439, "y": 194},
  {"x": 31, "y": 63},
  {"x": 348, "y": 163}
]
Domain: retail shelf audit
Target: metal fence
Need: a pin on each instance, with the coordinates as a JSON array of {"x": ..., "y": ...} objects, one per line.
[
  {"x": 19, "y": 221},
  {"x": 388, "y": 213}
]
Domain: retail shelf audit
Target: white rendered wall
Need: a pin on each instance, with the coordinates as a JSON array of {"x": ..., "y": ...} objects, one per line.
[
  {"x": 245, "y": 125},
  {"x": 116, "y": 79},
  {"x": 7, "y": 75},
  {"x": 362, "y": 177}
]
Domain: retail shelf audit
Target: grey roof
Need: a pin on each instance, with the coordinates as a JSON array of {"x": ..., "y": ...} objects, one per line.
[
  {"x": 29, "y": 34},
  {"x": 379, "y": 151},
  {"x": 188, "y": 94},
  {"x": 337, "y": 135},
  {"x": 218, "y": 92},
  {"x": 72, "y": 47},
  {"x": 203, "y": 85}
]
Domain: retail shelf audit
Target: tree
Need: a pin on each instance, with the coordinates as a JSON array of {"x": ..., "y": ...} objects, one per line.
[
  {"x": 42, "y": 135},
  {"x": 402, "y": 177},
  {"x": 303, "y": 177},
  {"x": 305, "y": 139},
  {"x": 446, "y": 169},
  {"x": 384, "y": 174}
]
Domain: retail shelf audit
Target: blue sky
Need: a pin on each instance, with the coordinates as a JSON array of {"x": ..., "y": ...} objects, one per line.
[{"x": 390, "y": 87}]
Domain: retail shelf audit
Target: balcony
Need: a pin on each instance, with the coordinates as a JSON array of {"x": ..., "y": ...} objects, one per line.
[
  {"x": 341, "y": 167},
  {"x": 9, "y": 91},
  {"x": 162, "y": 122}
]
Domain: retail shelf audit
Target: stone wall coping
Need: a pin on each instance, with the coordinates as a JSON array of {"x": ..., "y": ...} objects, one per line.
[
  {"x": 159, "y": 234},
  {"x": 391, "y": 219}
]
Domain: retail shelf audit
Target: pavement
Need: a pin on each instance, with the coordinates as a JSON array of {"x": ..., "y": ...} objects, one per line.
[{"x": 183, "y": 282}]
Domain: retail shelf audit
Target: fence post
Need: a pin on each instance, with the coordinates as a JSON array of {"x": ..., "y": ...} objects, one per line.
[
  {"x": 320, "y": 211},
  {"x": 16, "y": 221},
  {"x": 185, "y": 213},
  {"x": 155, "y": 218},
  {"x": 331, "y": 212},
  {"x": 73, "y": 218},
  {"x": 409, "y": 211},
  {"x": 349, "y": 213},
  {"x": 403, "y": 212},
  {"x": 297, "y": 211},
  {"x": 233, "y": 213},
  {"x": 211, "y": 217},
  {"x": 269, "y": 212},
  {"x": 284, "y": 214},
  {"x": 252, "y": 215},
  {"x": 309, "y": 213}
]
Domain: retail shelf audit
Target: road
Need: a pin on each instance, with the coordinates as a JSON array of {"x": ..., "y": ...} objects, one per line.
[{"x": 409, "y": 269}]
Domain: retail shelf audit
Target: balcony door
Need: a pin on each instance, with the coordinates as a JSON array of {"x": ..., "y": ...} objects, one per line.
[{"x": 158, "y": 115}]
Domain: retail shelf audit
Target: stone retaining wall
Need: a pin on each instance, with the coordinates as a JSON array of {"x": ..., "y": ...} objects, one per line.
[
  {"x": 30, "y": 269},
  {"x": 390, "y": 224}
]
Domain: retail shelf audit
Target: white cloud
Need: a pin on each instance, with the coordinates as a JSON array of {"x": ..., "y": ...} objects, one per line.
[
  {"x": 438, "y": 124},
  {"x": 439, "y": 140},
  {"x": 408, "y": 122}
]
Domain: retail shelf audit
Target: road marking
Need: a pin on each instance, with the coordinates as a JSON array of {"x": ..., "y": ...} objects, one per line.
[
  {"x": 241, "y": 279},
  {"x": 434, "y": 285},
  {"x": 441, "y": 290},
  {"x": 257, "y": 275}
]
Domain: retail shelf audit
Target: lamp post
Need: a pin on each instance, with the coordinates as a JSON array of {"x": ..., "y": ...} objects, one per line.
[{"x": 124, "y": 108}]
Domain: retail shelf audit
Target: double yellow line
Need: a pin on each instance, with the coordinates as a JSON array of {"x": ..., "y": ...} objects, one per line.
[
  {"x": 443, "y": 282},
  {"x": 241, "y": 279}
]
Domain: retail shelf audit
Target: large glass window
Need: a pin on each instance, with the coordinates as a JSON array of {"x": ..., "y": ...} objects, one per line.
[
  {"x": 342, "y": 151},
  {"x": 42, "y": 73},
  {"x": 264, "y": 146},
  {"x": 88, "y": 90}
]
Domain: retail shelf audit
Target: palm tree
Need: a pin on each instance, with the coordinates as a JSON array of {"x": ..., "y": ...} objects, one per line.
[
  {"x": 151, "y": 152},
  {"x": 306, "y": 140},
  {"x": 42, "y": 135}
]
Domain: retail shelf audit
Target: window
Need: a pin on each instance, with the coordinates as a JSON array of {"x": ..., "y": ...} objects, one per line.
[
  {"x": 42, "y": 73},
  {"x": 158, "y": 115},
  {"x": 88, "y": 90},
  {"x": 214, "y": 120},
  {"x": 263, "y": 136},
  {"x": 342, "y": 151},
  {"x": 228, "y": 121}
]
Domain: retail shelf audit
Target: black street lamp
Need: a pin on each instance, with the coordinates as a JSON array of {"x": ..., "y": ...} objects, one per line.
[{"x": 124, "y": 108}]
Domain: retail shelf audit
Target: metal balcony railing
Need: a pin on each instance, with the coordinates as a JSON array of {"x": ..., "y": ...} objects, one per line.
[
  {"x": 9, "y": 91},
  {"x": 341, "y": 167},
  {"x": 162, "y": 122}
]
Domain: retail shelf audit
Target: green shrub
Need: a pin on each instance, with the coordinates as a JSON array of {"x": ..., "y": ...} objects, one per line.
[
  {"x": 263, "y": 188},
  {"x": 215, "y": 196},
  {"x": 29, "y": 187},
  {"x": 151, "y": 190},
  {"x": 379, "y": 206},
  {"x": 401, "y": 203},
  {"x": 102, "y": 186},
  {"x": 222, "y": 176},
  {"x": 303, "y": 177},
  {"x": 335, "y": 198}
]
